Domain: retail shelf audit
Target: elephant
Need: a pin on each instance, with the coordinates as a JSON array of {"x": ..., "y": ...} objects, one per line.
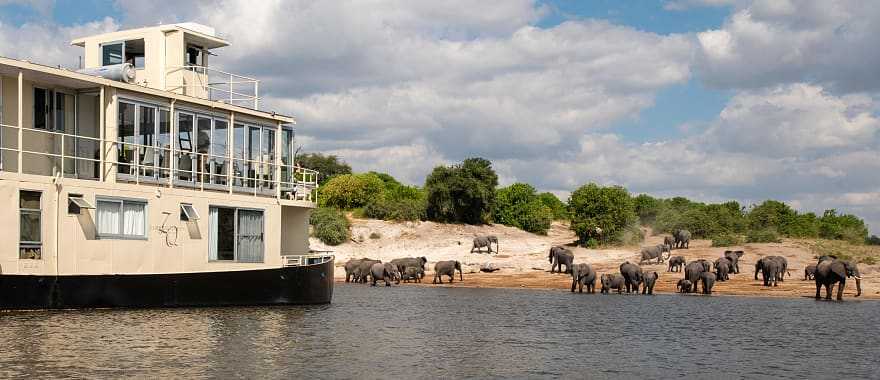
[
  {"x": 485, "y": 241},
  {"x": 386, "y": 272},
  {"x": 708, "y": 279},
  {"x": 414, "y": 274},
  {"x": 769, "y": 268},
  {"x": 707, "y": 265},
  {"x": 670, "y": 241},
  {"x": 675, "y": 264},
  {"x": 831, "y": 271},
  {"x": 809, "y": 272},
  {"x": 612, "y": 281},
  {"x": 692, "y": 272},
  {"x": 632, "y": 274},
  {"x": 654, "y": 252},
  {"x": 351, "y": 267},
  {"x": 558, "y": 257},
  {"x": 682, "y": 239},
  {"x": 403, "y": 263},
  {"x": 723, "y": 267},
  {"x": 734, "y": 257},
  {"x": 683, "y": 286},
  {"x": 648, "y": 280},
  {"x": 583, "y": 274},
  {"x": 362, "y": 272},
  {"x": 447, "y": 268}
]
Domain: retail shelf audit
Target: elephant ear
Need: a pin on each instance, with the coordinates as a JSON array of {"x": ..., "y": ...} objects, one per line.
[{"x": 839, "y": 268}]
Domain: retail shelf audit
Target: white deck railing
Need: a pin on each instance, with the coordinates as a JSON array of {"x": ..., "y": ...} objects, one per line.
[
  {"x": 160, "y": 165},
  {"x": 214, "y": 85},
  {"x": 314, "y": 258}
]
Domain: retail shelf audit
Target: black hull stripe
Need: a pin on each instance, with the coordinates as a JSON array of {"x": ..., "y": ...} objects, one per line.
[{"x": 311, "y": 284}]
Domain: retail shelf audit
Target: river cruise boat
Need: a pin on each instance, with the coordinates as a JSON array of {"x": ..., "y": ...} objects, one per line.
[{"x": 149, "y": 179}]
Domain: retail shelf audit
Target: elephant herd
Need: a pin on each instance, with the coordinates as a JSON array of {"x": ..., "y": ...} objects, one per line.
[{"x": 406, "y": 269}]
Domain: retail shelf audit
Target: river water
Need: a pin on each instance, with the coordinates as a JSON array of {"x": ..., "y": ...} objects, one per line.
[{"x": 407, "y": 332}]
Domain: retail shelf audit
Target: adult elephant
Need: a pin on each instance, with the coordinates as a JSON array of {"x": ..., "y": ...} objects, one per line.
[
  {"x": 675, "y": 264},
  {"x": 836, "y": 271},
  {"x": 692, "y": 272},
  {"x": 583, "y": 274},
  {"x": 612, "y": 281},
  {"x": 447, "y": 268},
  {"x": 769, "y": 267},
  {"x": 682, "y": 238},
  {"x": 708, "y": 280},
  {"x": 558, "y": 257},
  {"x": 485, "y": 241},
  {"x": 654, "y": 252},
  {"x": 406, "y": 262},
  {"x": 362, "y": 272},
  {"x": 723, "y": 266},
  {"x": 386, "y": 272},
  {"x": 648, "y": 280},
  {"x": 351, "y": 268},
  {"x": 734, "y": 257},
  {"x": 632, "y": 276}
]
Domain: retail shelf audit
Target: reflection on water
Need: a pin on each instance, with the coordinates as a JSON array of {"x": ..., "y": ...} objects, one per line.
[{"x": 406, "y": 331}]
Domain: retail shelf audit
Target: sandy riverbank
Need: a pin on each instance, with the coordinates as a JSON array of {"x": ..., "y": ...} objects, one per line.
[{"x": 523, "y": 258}]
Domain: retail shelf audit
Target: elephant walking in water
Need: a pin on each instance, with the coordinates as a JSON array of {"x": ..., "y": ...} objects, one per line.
[
  {"x": 612, "y": 281},
  {"x": 683, "y": 286},
  {"x": 648, "y": 280},
  {"x": 447, "y": 268},
  {"x": 485, "y": 241},
  {"x": 632, "y": 275},
  {"x": 830, "y": 271},
  {"x": 583, "y": 274},
  {"x": 693, "y": 272},
  {"x": 558, "y": 257},
  {"x": 385, "y": 272}
]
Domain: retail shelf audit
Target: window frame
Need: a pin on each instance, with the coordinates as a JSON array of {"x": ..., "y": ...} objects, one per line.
[
  {"x": 76, "y": 203},
  {"x": 121, "y": 235},
  {"x": 39, "y": 213},
  {"x": 185, "y": 215},
  {"x": 236, "y": 234},
  {"x": 122, "y": 51},
  {"x": 156, "y": 168}
]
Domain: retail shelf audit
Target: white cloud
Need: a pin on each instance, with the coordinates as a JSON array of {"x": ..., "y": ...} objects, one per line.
[
  {"x": 48, "y": 43},
  {"x": 683, "y": 5}
]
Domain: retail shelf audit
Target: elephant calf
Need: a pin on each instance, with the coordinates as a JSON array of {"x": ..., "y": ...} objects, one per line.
[
  {"x": 414, "y": 274},
  {"x": 810, "y": 272},
  {"x": 648, "y": 280},
  {"x": 734, "y": 257},
  {"x": 447, "y": 268},
  {"x": 675, "y": 264},
  {"x": 406, "y": 262},
  {"x": 583, "y": 274},
  {"x": 612, "y": 281},
  {"x": 386, "y": 272},
  {"x": 485, "y": 241},
  {"x": 708, "y": 280},
  {"x": 683, "y": 286}
]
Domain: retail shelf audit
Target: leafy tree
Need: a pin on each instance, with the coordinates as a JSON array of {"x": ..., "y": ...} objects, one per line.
[
  {"x": 556, "y": 206},
  {"x": 462, "y": 193},
  {"x": 772, "y": 214},
  {"x": 842, "y": 227},
  {"x": 609, "y": 208},
  {"x": 350, "y": 191},
  {"x": 517, "y": 205},
  {"x": 328, "y": 166},
  {"x": 647, "y": 208},
  {"x": 329, "y": 225}
]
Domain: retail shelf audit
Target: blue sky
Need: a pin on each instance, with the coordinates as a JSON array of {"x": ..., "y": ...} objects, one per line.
[{"x": 709, "y": 99}]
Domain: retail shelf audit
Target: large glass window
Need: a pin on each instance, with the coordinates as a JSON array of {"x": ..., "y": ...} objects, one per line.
[
  {"x": 219, "y": 152},
  {"x": 186, "y": 161},
  {"x": 253, "y": 154},
  {"x": 287, "y": 155},
  {"x": 121, "y": 219},
  {"x": 239, "y": 150},
  {"x": 235, "y": 235},
  {"x": 164, "y": 143},
  {"x": 147, "y": 138},
  {"x": 30, "y": 225},
  {"x": 42, "y": 108},
  {"x": 111, "y": 54},
  {"x": 203, "y": 148},
  {"x": 126, "y": 137},
  {"x": 267, "y": 158}
]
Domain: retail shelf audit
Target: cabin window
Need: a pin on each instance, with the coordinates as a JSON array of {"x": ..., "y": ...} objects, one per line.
[
  {"x": 121, "y": 219},
  {"x": 188, "y": 213},
  {"x": 131, "y": 51},
  {"x": 30, "y": 225},
  {"x": 219, "y": 152},
  {"x": 126, "y": 138},
  {"x": 239, "y": 149},
  {"x": 143, "y": 140},
  {"x": 235, "y": 234},
  {"x": 164, "y": 143},
  {"x": 111, "y": 54},
  {"x": 186, "y": 161},
  {"x": 286, "y": 156},
  {"x": 195, "y": 56}
]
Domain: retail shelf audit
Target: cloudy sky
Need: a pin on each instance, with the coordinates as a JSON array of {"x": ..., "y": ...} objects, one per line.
[{"x": 709, "y": 99}]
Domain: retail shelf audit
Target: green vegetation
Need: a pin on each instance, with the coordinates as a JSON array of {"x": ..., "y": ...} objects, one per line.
[
  {"x": 328, "y": 166},
  {"x": 556, "y": 206},
  {"x": 767, "y": 235},
  {"x": 609, "y": 208},
  {"x": 329, "y": 225},
  {"x": 862, "y": 254},
  {"x": 519, "y": 206},
  {"x": 462, "y": 193},
  {"x": 727, "y": 240},
  {"x": 350, "y": 191}
]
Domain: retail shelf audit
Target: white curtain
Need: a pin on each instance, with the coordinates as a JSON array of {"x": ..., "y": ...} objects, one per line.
[
  {"x": 108, "y": 218},
  {"x": 213, "y": 232},
  {"x": 134, "y": 218},
  {"x": 250, "y": 236}
]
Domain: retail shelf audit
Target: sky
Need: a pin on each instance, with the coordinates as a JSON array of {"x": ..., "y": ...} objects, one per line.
[{"x": 708, "y": 99}]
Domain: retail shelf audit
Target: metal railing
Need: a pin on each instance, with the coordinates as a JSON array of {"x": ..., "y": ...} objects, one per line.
[
  {"x": 166, "y": 166},
  {"x": 213, "y": 84},
  {"x": 314, "y": 258}
]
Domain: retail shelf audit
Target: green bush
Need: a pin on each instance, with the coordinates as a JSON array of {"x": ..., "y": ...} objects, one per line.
[
  {"x": 647, "y": 208},
  {"x": 767, "y": 235},
  {"x": 609, "y": 208},
  {"x": 556, "y": 206},
  {"x": 350, "y": 191},
  {"x": 842, "y": 227},
  {"x": 329, "y": 225},
  {"x": 462, "y": 193},
  {"x": 518, "y": 206},
  {"x": 727, "y": 240},
  {"x": 395, "y": 209}
]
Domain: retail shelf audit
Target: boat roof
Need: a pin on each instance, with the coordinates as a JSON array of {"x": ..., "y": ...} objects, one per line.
[
  {"x": 199, "y": 34},
  {"x": 74, "y": 80}
]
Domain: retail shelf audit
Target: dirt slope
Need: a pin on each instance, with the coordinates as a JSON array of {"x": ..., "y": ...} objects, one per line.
[{"x": 523, "y": 258}]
